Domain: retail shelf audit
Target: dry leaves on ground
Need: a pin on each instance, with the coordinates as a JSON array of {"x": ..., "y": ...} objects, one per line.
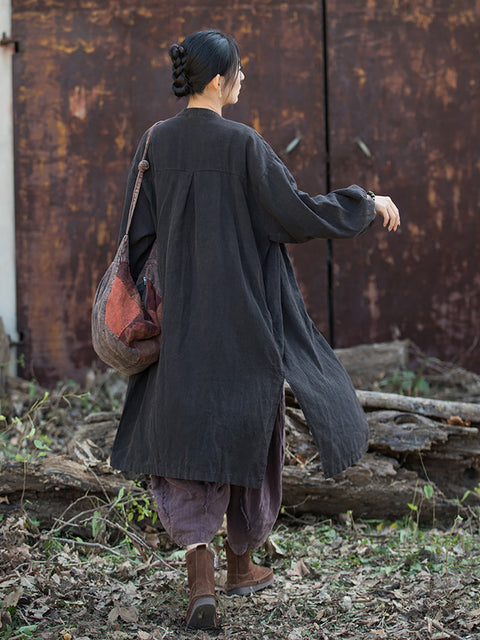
[{"x": 395, "y": 582}]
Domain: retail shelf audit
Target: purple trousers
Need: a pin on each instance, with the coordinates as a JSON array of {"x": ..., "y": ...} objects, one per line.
[{"x": 192, "y": 512}]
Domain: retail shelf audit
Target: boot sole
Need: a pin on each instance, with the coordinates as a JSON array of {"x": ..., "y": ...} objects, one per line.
[
  {"x": 203, "y": 615},
  {"x": 243, "y": 591}
]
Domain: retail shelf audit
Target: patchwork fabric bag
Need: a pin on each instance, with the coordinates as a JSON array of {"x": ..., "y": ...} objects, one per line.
[{"x": 126, "y": 326}]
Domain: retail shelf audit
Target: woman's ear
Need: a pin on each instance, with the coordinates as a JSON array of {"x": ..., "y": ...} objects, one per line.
[
  {"x": 215, "y": 85},
  {"x": 215, "y": 82}
]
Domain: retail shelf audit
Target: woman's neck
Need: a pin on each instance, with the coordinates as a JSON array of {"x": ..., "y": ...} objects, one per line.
[{"x": 205, "y": 102}]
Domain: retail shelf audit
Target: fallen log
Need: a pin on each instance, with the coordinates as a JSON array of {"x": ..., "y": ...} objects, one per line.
[
  {"x": 394, "y": 433},
  {"x": 54, "y": 486},
  {"x": 367, "y": 364},
  {"x": 377, "y": 487},
  {"x": 467, "y": 411},
  {"x": 407, "y": 452}
]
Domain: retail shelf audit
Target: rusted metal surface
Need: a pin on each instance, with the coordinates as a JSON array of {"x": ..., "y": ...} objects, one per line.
[
  {"x": 90, "y": 76},
  {"x": 404, "y": 80}
]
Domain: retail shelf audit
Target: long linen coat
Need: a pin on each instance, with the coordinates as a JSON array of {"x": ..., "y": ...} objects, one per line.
[{"x": 221, "y": 205}]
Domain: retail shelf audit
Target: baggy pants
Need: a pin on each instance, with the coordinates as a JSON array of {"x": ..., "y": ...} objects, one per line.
[{"x": 192, "y": 512}]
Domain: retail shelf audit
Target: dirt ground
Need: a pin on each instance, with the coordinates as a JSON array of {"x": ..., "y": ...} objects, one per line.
[{"x": 110, "y": 573}]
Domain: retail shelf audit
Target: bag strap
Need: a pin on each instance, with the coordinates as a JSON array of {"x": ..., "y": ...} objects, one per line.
[{"x": 143, "y": 165}]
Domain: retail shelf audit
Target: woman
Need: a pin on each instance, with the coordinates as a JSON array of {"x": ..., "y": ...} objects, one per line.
[{"x": 207, "y": 420}]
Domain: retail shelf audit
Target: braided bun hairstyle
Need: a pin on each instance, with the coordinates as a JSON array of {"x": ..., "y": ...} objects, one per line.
[
  {"x": 180, "y": 84},
  {"x": 199, "y": 58}
]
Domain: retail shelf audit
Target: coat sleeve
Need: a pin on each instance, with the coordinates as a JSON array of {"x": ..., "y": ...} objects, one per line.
[
  {"x": 291, "y": 215},
  {"x": 143, "y": 228}
]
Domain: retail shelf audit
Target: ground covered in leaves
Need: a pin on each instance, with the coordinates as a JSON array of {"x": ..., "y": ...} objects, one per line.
[
  {"x": 352, "y": 581},
  {"x": 111, "y": 573}
]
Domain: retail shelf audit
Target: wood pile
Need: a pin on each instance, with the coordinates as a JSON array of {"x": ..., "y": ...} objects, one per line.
[
  {"x": 414, "y": 443},
  {"x": 423, "y": 452}
]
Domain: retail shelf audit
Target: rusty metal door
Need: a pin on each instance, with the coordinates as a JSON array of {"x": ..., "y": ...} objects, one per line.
[
  {"x": 90, "y": 76},
  {"x": 404, "y": 120}
]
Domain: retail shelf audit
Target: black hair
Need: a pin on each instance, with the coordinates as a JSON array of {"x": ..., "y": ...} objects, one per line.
[{"x": 199, "y": 58}]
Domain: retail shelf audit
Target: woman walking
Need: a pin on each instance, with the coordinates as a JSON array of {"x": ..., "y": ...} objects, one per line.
[{"x": 207, "y": 420}]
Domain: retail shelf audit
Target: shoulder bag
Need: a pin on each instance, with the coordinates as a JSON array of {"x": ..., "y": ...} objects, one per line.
[{"x": 126, "y": 327}]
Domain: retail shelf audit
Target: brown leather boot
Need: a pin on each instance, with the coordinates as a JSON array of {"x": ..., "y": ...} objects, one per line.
[
  {"x": 201, "y": 612},
  {"x": 243, "y": 576}
]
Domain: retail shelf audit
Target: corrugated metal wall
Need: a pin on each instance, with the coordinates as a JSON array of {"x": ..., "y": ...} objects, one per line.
[{"x": 90, "y": 76}]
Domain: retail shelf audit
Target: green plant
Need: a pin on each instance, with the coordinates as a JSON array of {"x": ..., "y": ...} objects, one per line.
[
  {"x": 406, "y": 383},
  {"x": 468, "y": 492},
  {"x": 28, "y": 443},
  {"x": 413, "y": 517},
  {"x": 134, "y": 505},
  {"x": 14, "y": 632}
]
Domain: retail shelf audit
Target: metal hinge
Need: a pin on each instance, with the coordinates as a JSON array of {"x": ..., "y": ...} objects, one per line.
[{"x": 7, "y": 40}]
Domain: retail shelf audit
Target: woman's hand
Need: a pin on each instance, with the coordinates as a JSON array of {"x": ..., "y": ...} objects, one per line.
[{"x": 387, "y": 209}]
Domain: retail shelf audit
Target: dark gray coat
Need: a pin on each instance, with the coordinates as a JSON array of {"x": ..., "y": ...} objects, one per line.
[{"x": 222, "y": 205}]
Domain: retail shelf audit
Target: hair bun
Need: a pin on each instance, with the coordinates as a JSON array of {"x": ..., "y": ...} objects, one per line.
[
  {"x": 180, "y": 84},
  {"x": 176, "y": 52},
  {"x": 199, "y": 58}
]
